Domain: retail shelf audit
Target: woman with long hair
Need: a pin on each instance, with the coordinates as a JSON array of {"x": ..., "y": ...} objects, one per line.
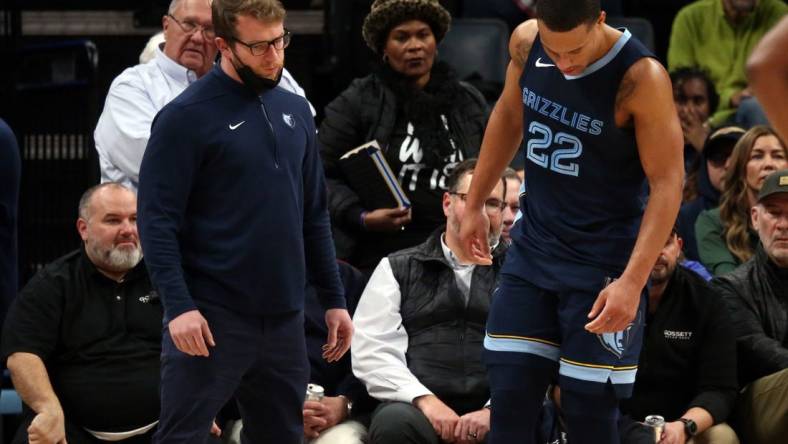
[{"x": 725, "y": 237}]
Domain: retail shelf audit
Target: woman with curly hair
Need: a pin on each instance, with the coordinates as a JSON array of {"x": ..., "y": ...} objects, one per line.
[
  {"x": 725, "y": 237},
  {"x": 424, "y": 118}
]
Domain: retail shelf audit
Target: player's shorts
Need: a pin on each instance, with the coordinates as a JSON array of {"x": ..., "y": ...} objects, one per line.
[{"x": 527, "y": 324}]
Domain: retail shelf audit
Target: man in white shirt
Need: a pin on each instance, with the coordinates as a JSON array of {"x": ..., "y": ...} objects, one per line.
[
  {"x": 139, "y": 92},
  {"x": 419, "y": 331}
]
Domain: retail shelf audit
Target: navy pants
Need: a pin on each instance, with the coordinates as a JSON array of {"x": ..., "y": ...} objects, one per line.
[{"x": 261, "y": 360}]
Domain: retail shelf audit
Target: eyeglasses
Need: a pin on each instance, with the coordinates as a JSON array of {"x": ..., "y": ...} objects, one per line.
[
  {"x": 260, "y": 48},
  {"x": 189, "y": 28},
  {"x": 492, "y": 205}
]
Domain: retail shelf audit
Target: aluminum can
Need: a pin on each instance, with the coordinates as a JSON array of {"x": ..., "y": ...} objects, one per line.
[
  {"x": 314, "y": 392},
  {"x": 657, "y": 423}
]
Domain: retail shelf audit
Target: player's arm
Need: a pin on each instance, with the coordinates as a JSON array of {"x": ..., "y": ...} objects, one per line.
[
  {"x": 645, "y": 94},
  {"x": 502, "y": 138},
  {"x": 767, "y": 70}
]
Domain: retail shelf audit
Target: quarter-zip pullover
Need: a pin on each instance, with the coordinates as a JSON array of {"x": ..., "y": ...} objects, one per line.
[{"x": 232, "y": 201}]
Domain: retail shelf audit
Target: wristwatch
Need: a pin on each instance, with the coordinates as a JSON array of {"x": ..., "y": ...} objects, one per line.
[
  {"x": 690, "y": 428},
  {"x": 349, "y": 405}
]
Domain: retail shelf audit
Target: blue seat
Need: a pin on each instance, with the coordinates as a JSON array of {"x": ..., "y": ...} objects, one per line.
[
  {"x": 10, "y": 403},
  {"x": 477, "y": 46}
]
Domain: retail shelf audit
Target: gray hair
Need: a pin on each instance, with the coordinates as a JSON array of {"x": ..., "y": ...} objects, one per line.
[
  {"x": 173, "y": 6},
  {"x": 87, "y": 196}
]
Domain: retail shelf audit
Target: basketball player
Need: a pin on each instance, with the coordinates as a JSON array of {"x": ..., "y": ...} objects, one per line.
[
  {"x": 767, "y": 70},
  {"x": 597, "y": 114}
]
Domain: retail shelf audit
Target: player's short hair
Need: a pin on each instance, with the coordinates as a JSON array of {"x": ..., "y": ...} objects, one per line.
[{"x": 565, "y": 15}]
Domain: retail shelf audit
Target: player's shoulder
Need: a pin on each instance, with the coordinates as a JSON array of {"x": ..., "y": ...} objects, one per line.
[{"x": 522, "y": 40}]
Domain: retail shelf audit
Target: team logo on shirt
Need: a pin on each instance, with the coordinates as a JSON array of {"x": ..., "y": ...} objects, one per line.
[{"x": 289, "y": 120}]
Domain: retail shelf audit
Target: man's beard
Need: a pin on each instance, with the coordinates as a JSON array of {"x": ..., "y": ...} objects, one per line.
[
  {"x": 256, "y": 83},
  {"x": 117, "y": 259},
  {"x": 662, "y": 276}
]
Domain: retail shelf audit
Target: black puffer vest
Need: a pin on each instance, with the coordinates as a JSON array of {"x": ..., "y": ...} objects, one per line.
[{"x": 444, "y": 335}]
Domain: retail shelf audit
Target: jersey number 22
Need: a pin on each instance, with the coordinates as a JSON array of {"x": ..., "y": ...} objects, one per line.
[{"x": 557, "y": 161}]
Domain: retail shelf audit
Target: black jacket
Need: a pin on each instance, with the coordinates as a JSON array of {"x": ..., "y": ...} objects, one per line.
[
  {"x": 444, "y": 334},
  {"x": 689, "y": 354},
  {"x": 756, "y": 294},
  {"x": 368, "y": 110}
]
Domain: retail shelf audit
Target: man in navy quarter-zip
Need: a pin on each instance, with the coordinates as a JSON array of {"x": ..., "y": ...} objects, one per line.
[
  {"x": 597, "y": 113},
  {"x": 234, "y": 201}
]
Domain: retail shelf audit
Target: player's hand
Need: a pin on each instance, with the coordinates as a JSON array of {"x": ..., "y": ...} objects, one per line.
[
  {"x": 472, "y": 427},
  {"x": 474, "y": 241},
  {"x": 340, "y": 332},
  {"x": 673, "y": 433},
  {"x": 442, "y": 417},
  {"x": 615, "y": 307},
  {"x": 387, "y": 219},
  {"x": 190, "y": 332},
  {"x": 47, "y": 427}
]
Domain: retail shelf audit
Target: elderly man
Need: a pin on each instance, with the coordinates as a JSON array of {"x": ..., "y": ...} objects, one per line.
[
  {"x": 139, "y": 92},
  {"x": 82, "y": 340},
  {"x": 688, "y": 364},
  {"x": 757, "y": 297},
  {"x": 419, "y": 331}
]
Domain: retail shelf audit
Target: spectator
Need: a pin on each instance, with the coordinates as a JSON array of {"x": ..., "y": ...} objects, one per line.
[
  {"x": 154, "y": 43},
  {"x": 82, "y": 340},
  {"x": 139, "y": 92},
  {"x": 704, "y": 183},
  {"x": 513, "y": 184},
  {"x": 342, "y": 416},
  {"x": 426, "y": 120},
  {"x": 725, "y": 237},
  {"x": 10, "y": 172},
  {"x": 695, "y": 98},
  {"x": 757, "y": 296},
  {"x": 687, "y": 368},
  {"x": 718, "y": 36},
  {"x": 419, "y": 332}
]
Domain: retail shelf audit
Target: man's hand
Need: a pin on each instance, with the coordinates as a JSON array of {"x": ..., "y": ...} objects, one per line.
[
  {"x": 320, "y": 415},
  {"x": 618, "y": 303},
  {"x": 474, "y": 242},
  {"x": 472, "y": 427},
  {"x": 189, "y": 332},
  {"x": 673, "y": 433},
  {"x": 340, "y": 332},
  {"x": 737, "y": 98},
  {"x": 48, "y": 427},
  {"x": 442, "y": 418},
  {"x": 387, "y": 219}
]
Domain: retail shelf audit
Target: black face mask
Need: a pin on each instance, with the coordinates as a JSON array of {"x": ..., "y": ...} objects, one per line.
[{"x": 253, "y": 81}]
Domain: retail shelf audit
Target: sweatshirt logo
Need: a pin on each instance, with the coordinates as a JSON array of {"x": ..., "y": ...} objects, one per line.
[{"x": 289, "y": 120}]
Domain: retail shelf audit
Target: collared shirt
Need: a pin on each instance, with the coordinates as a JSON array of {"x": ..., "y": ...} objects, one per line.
[
  {"x": 380, "y": 340},
  {"x": 99, "y": 339},
  {"x": 133, "y": 100}
]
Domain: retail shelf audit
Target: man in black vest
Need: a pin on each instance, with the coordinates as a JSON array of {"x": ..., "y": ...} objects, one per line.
[{"x": 419, "y": 331}]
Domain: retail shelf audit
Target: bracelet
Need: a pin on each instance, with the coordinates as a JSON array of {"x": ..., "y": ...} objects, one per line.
[{"x": 361, "y": 218}]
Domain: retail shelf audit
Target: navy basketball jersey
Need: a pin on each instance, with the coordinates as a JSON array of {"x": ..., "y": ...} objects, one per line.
[{"x": 584, "y": 180}]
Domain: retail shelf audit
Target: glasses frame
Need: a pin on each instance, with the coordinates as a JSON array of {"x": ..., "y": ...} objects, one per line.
[
  {"x": 489, "y": 204},
  {"x": 253, "y": 47},
  {"x": 184, "y": 24}
]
